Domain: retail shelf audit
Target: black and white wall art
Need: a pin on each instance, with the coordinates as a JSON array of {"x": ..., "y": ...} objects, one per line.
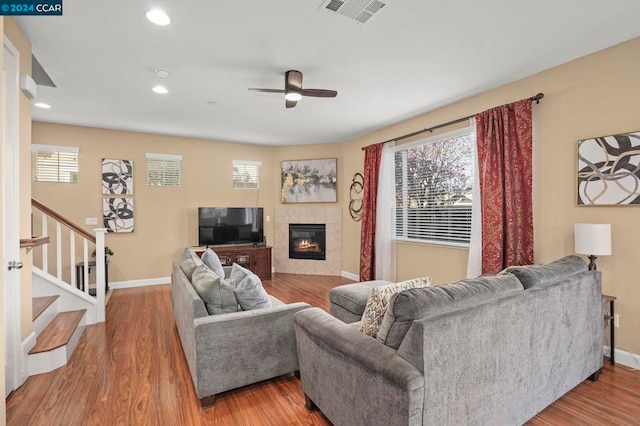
[
  {"x": 117, "y": 177},
  {"x": 117, "y": 214},
  {"x": 609, "y": 170}
]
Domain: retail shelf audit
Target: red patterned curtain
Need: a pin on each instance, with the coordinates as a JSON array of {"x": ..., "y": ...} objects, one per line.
[
  {"x": 372, "y": 156},
  {"x": 504, "y": 157}
]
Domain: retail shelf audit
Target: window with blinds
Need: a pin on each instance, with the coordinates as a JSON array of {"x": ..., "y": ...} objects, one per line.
[
  {"x": 246, "y": 174},
  {"x": 51, "y": 163},
  {"x": 433, "y": 181},
  {"x": 164, "y": 169}
]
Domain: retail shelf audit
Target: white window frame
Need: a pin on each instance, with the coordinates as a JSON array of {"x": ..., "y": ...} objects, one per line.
[
  {"x": 166, "y": 161},
  {"x": 57, "y": 165},
  {"x": 404, "y": 228},
  {"x": 250, "y": 167}
]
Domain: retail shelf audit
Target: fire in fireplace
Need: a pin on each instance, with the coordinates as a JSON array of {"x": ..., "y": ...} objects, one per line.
[{"x": 307, "y": 241}]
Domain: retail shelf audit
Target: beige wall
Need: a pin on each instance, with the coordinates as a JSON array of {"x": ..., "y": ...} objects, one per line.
[
  {"x": 588, "y": 97},
  {"x": 592, "y": 96}
]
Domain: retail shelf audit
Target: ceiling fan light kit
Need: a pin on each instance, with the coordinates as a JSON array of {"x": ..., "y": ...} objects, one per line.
[
  {"x": 293, "y": 96},
  {"x": 293, "y": 90}
]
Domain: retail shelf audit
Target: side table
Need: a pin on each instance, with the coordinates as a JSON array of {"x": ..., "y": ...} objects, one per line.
[
  {"x": 91, "y": 264},
  {"x": 612, "y": 331}
]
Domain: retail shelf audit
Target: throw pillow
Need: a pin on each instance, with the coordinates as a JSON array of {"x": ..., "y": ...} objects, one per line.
[
  {"x": 248, "y": 289},
  {"x": 189, "y": 261},
  {"x": 216, "y": 293},
  {"x": 211, "y": 259},
  {"x": 379, "y": 300}
]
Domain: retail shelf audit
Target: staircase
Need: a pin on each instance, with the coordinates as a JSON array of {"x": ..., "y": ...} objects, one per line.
[
  {"x": 61, "y": 310},
  {"x": 58, "y": 333}
]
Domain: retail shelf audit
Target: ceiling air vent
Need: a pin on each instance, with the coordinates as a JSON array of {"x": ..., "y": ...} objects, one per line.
[{"x": 357, "y": 10}]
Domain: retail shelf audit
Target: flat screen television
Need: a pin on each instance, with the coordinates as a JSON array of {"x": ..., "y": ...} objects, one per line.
[{"x": 230, "y": 225}]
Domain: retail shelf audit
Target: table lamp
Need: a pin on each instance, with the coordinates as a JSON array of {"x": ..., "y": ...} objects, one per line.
[{"x": 593, "y": 239}]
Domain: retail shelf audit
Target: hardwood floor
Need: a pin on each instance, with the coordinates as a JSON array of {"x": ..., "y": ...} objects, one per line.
[{"x": 131, "y": 371}]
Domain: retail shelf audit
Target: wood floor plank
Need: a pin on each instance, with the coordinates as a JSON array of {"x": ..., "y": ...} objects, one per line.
[
  {"x": 39, "y": 304},
  {"x": 58, "y": 332},
  {"x": 131, "y": 370}
]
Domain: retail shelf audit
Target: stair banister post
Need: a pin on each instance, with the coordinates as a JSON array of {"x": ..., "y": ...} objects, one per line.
[{"x": 100, "y": 268}]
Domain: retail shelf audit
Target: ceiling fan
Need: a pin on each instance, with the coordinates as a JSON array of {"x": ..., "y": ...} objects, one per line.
[{"x": 293, "y": 90}]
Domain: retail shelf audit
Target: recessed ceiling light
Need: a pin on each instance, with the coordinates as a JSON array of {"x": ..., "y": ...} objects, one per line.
[
  {"x": 160, "y": 89},
  {"x": 42, "y": 105},
  {"x": 158, "y": 17},
  {"x": 211, "y": 102}
]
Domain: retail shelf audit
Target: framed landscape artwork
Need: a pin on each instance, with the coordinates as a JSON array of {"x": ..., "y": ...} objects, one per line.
[
  {"x": 609, "y": 170},
  {"x": 309, "y": 181}
]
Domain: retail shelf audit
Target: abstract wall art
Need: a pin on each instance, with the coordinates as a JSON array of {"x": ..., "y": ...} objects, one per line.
[
  {"x": 117, "y": 214},
  {"x": 609, "y": 170},
  {"x": 309, "y": 181},
  {"x": 117, "y": 177}
]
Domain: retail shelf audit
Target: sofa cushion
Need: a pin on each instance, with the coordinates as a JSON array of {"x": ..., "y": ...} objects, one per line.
[
  {"x": 378, "y": 301},
  {"x": 535, "y": 275},
  {"x": 216, "y": 293},
  {"x": 353, "y": 297},
  {"x": 248, "y": 289},
  {"x": 409, "y": 305},
  {"x": 211, "y": 259},
  {"x": 189, "y": 261}
]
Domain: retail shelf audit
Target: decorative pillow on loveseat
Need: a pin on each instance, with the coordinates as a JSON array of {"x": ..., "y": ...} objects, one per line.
[
  {"x": 211, "y": 259},
  {"x": 248, "y": 289},
  {"x": 216, "y": 293},
  {"x": 189, "y": 261},
  {"x": 379, "y": 300},
  {"x": 418, "y": 303}
]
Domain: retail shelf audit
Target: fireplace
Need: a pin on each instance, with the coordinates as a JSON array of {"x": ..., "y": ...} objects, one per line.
[{"x": 307, "y": 241}]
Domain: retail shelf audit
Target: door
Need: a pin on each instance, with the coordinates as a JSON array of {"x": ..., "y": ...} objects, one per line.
[{"x": 9, "y": 200}]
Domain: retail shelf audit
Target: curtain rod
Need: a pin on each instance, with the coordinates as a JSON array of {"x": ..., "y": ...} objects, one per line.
[{"x": 535, "y": 99}]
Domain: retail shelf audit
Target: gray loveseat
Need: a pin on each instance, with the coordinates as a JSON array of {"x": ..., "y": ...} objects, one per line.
[
  {"x": 230, "y": 350},
  {"x": 491, "y": 351}
]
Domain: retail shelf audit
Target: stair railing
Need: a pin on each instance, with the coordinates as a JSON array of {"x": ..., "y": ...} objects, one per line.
[{"x": 85, "y": 239}]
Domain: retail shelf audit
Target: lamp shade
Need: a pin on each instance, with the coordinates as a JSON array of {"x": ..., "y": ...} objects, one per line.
[{"x": 593, "y": 239}]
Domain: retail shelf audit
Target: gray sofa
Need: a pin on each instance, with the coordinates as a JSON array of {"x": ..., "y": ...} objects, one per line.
[
  {"x": 491, "y": 351},
  {"x": 227, "y": 351}
]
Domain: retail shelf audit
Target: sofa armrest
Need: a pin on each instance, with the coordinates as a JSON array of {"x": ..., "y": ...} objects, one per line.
[
  {"x": 240, "y": 348},
  {"x": 382, "y": 388}
]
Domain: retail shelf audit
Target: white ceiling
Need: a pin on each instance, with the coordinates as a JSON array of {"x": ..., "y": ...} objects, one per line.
[{"x": 414, "y": 56}]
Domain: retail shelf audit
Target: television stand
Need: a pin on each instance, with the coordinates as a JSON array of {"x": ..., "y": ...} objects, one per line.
[{"x": 257, "y": 259}]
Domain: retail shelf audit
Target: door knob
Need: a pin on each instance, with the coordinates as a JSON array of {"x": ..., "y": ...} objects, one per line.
[{"x": 15, "y": 265}]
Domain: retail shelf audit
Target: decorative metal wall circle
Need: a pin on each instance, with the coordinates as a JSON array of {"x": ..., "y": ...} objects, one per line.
[{"x": 355, "y": 196}]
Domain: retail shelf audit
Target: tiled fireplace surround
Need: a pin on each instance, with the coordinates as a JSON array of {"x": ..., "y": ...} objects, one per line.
[{"x": 331, "y": 217}]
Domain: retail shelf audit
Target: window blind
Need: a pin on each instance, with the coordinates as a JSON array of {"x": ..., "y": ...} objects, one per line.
[
  {"x": 164, "y": 169},
  {"x": 51, "y": 163},
  {"x": 434, "y": 190},
  {"x": 246, "y": 174}
]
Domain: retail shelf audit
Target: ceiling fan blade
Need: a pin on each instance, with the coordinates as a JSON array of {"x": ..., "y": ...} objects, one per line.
[
  {"x": 293, "y": 80},
  {"x": 290, "y": 104},
  {"x": 267, "y": 90},
  {"x": 319, "y": 93}
]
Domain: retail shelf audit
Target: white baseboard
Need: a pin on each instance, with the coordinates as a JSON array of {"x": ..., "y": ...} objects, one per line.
[
  {"x": 139, "y": 283},
  {"x": 27, "y": 344},
  {"x": 625, "y": 358},
  {"x": 351, "y": 276}
]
